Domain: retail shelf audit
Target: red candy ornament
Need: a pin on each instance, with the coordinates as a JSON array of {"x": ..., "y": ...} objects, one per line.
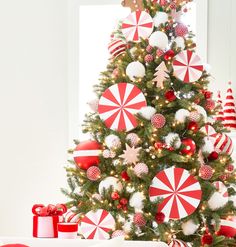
[
  {"x": 190, "y": 147},
  {"x": 170, "y": 95},
  {"x": 86, "y": 154},
  {"x": 139, "y": 220},
  {"x": 169, "y": 55},
  {"x": 160, "y": 217},
  {"x": 158, "y": 121},
  {"x": 93, "y": 173},
  {"x": 206, "y": 172}
]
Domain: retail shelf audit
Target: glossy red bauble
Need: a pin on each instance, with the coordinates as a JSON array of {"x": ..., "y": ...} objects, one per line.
[
  {"x": 190, "y": 147},
  {"x": 160, "y": 217},
  {"x": 169, "y": 55},
  {"x": 125, "y": 176},
  {"x": 213, "y": 156},
  {"x": 207, "y": 239},
  {"x": 86, "y": 154},
  {"x": 124, "y": 201},
  {"x": 170, "y": 95},
  {"x": 193, "y": 126},
  {"x": 115, "y": 196}
]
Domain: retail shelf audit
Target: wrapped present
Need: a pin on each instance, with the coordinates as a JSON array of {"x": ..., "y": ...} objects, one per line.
[
  {"x": 46, "y": 218},
  {"x": 67, "y": 230}
]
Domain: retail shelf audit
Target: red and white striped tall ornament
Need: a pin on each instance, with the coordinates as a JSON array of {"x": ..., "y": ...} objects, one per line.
[
  {"x": 220, "y": 115},
  {"x": 230, "y": 110}
]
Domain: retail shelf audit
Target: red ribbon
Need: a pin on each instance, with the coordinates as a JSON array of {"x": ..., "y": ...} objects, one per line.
[{"x": 50, "y": 210}]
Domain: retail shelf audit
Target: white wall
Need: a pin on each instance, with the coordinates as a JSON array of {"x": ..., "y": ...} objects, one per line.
[
  {"x": 33, "y": 108},
  {"x": 221, "y": 43}
]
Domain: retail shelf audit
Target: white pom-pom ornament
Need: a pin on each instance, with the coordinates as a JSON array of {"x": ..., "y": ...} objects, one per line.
[
  {"x": 158, "y": 39},
  {"x": 160, "y": 18},
  {"x": 136, "y": 201},
  {"x": 189, "y": 227},
  {"x": 140, "y": 169},
  {"x": 181, "y": 115},
  {"x": 135, "y": 70},
  {"x": 110, "y": 182},
  {"x": 147, "y": 112},
  {"x": 201, "y": 111},
  {"x": 173, "y": 139},
  {"x": 208, "y": 146},
  {"x": 113, "y": 142},
  {"x": 180, "y": 42}
]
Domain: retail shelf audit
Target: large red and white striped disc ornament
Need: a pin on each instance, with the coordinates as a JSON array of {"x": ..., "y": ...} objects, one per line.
[
  {"x": 86, "y": 154},
  {"x": 119, "y": 104},
  {"x": 187, "y": 66},
  {"x": 137, "y": 25},
  {"x": 181, "y": 192},
  {"x": 177, "y": 243},
  {"x": 223, "y": 143},
  {"x": 221, "y": 188},
  {"x": 116, "y": 47},
  {"x": 97, "y": 225}
]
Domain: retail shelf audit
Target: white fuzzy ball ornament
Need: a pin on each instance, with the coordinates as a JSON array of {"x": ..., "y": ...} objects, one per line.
[
  {"x": 147, "y": 112},
  {"x": 133, "y": 139},
  {"x": 217, "y": 201},
  {"x": 113, "y": 142},
  {"x": 201, "y": 111},
  {"x": 208, "y": 146},
  {"x": 135, "y": 70},
  {"x": 136, "y": 201},
  {"x": 160, "y": 18},
  {"x": 189, "y": 227},
  {"x": 180, "y": 42},
  {"x": 158, "y": 39},
  {"x": 181, "y": 115},
  {"x": 110, "y": 182},
  {"x": 173, "y": 138}
]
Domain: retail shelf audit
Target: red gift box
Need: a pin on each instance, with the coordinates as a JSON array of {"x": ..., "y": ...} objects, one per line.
[
  {"x": 45, "y": 220},
  {"x": 67, "y": 230}
]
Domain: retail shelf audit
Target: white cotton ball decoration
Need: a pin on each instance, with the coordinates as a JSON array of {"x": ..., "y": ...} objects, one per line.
[
  {"x": 208, "y": 146},
  {"x": 147, "y": 112},
  {"x": 110, "y": 182},
  {"x": 189, "y": 227},
  {"x": 158, "y": 39},
  {"x": 217, "y": 201},
  {"x": 135, "y": 70},
  {"x": 180, "y": 42},
  {"x": 181, "y": 115},
  {"x": 127, "y": 227},
  {"x": 201, "y": 111},
  {"x": 113, "y": 142},
  {"x": 136, "y": 201},
  {"x": 130, "y": 189},
  {"x": 93, "y": 104},
  {"x": 160, "y": 18},
  {"x": 173, "y": 138}
]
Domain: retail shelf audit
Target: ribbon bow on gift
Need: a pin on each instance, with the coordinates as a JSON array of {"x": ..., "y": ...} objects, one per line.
[{"x": 50, "y": 210}]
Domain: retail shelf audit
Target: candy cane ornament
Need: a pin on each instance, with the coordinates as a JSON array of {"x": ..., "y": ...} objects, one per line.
[
  {"x": 119, "y": 104},
  {"x": 180, "y": 190},
  {"x": 187, "y": 66},
  {"x": 137, "y": 25}
]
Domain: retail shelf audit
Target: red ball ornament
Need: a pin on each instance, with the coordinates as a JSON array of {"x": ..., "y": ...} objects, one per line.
[
  {"x": 230, "y": 168},
  {"x": 160, "y": 217},
  {"x": 159, "y": 145},
  {"x": 213, "y": 156},
  {"x": 148, "y": 58},
  {"x": 119, "y": 206},
  {"x": 181, "y": 30},
  {"x": 210, "y": 104},
  {"x": 169, "y": 55},
  {"x": 125, "y": 176},
  {"x": 115, "y": 196},
  {"x": 228, "y": 227},
  {"x": 123, "y": 201},
  {"x": 224, "y": 176},
  {"x": 158, "y": 121},
  {"x": 139, "y": 220},
  {"x": 190, "y": 147},
  {"x": 193, "y": 126},
  {"x": 205, "y": 172},
  {"x": 207, "y": 239},
  {"x": 86, "y": 154},
  {"x": 149, "y": 49},
  {"x": 93, "y": 173},
  {"x": 208, "y": 94},
  {"x": 170, "y": 95}
]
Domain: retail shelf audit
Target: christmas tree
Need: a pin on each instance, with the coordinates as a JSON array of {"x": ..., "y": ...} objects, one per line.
[{"x": 157, "y": 167}]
